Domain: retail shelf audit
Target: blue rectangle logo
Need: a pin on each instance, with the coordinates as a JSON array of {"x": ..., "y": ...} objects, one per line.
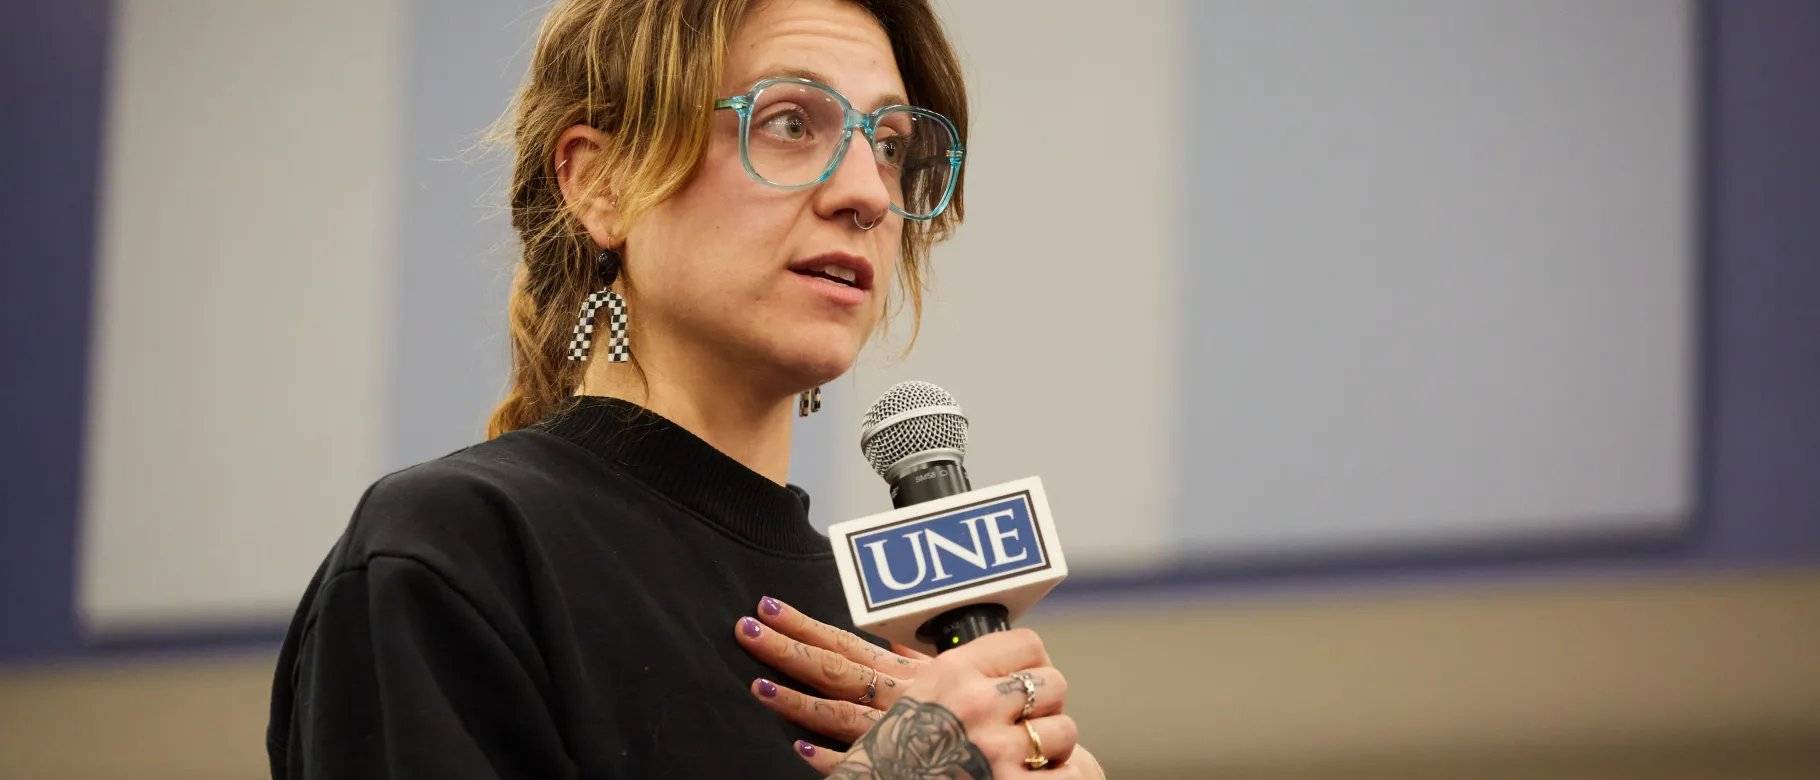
[{"x": 925, "y": 556}]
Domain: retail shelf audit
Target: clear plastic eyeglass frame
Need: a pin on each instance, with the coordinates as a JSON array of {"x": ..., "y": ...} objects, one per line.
[{"x": 867, "y": 124}]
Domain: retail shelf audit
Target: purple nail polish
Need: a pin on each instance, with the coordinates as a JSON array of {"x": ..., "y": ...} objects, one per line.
[
  {"x": 749, "y": 627},
  {"x": 767, "y": 689},
  {"x": 805, "y": 748},
  {"x": 770, "y": 606}
]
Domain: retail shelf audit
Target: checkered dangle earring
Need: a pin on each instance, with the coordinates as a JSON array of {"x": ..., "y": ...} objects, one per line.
[
  {"x": 583, "y": 340},
  {"x": 809, "y": 402}
]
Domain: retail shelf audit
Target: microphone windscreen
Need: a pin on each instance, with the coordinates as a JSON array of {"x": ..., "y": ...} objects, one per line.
[{"x": 911, "y": 418}]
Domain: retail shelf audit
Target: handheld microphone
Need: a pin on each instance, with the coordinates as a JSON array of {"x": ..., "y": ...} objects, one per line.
[{"x": 949, "y": 564}]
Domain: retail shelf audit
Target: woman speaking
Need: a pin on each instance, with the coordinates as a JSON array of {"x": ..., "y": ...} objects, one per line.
[{"x": 714, "y": 198}]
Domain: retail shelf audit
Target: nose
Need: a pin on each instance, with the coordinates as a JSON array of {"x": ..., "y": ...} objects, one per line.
[{"x": 855, "y": 185}]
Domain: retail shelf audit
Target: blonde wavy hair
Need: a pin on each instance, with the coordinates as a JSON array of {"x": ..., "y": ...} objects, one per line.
[{"x": 647, "y": 73}]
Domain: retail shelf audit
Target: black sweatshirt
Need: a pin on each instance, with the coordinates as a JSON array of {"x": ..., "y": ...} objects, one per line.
[{"x": 558, "y": 602}]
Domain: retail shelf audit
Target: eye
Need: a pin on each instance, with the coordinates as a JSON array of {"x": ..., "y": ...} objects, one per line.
[
  {"x": 788, "y": 124},
  {"x": 889, "y": 150}
]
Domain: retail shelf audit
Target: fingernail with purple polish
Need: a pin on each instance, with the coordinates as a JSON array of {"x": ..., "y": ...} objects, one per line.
[
  {"x": 770, "y": 606},
  {"x": 749, "y": 627},
  {"x": 805, "y": 748},
  {"x": 767, "y": 689}
]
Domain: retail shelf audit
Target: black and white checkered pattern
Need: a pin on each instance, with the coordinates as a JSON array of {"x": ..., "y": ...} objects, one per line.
[
  {"x": 809, "y": 402},
  {"x": 583, "y": 340}
]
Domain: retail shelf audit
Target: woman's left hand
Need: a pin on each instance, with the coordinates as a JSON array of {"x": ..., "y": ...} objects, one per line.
[
  {"x": 840, "y": 664},
  {"x": 837, "y": 663}
]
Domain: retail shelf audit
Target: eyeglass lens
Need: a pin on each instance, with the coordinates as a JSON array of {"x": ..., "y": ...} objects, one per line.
[{"x": 796, "y": 130}]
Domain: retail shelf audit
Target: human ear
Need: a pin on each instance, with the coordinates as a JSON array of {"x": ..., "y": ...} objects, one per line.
[{"x": 580, "y": 151}]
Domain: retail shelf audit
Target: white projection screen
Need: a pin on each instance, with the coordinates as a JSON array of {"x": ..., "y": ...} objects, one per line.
[{"x": 244, "y": 273}]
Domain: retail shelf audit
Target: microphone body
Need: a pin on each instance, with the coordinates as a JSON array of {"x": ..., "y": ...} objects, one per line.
[
  {"x": 927, "y": 481},
  {"x": 949, "y": 564}
]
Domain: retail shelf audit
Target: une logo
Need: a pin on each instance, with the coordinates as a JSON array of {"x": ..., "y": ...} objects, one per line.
[{"x": 949, "y": 550}]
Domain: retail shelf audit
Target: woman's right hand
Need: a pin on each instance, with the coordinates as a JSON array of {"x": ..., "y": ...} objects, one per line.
[{"x": 961, "y": 717}]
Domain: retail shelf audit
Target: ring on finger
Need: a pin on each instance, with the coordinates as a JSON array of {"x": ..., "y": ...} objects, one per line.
[
  {"x": 1036, "y": 760},
  {"x": 1029, "y": 692},
  {"x": 871, "y": 689}
]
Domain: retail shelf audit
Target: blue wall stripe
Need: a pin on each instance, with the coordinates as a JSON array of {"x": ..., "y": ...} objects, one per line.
[
  {"x": 53, "y": 73},
  {"x": 448, "y": 354},
  {"x": 1763, "y": 432}
]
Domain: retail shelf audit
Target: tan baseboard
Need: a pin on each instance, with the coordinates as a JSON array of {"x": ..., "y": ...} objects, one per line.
[
  {"x": 197, "y": 718},
  {"x": 1452, "y": 670},
  {"x": 1710, "y": 757}
]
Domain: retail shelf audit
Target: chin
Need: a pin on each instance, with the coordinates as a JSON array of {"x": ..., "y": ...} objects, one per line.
[
  {"x": 824, "y": 369},
  {"x": 818, "y": 361}
]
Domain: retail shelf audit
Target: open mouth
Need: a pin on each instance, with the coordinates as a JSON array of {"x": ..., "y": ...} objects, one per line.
[
  {"x": 835, "y": 274},
  {"x": 837, "y": 268}
]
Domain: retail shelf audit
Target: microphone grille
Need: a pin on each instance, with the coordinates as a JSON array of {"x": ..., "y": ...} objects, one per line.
[{"x": 940, "y": 426}]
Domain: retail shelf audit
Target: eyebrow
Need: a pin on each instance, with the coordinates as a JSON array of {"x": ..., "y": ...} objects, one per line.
[{"x": 888, "y": 99}]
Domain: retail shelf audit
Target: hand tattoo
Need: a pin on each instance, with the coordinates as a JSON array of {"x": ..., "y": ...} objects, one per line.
[{"x": 915, "y": 741}]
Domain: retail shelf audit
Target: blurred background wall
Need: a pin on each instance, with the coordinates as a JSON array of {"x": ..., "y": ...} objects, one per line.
[{"x": 1427, "y": 389}]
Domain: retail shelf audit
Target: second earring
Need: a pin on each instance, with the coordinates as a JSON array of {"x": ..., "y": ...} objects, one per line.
[{"x": 809, "y": 402}]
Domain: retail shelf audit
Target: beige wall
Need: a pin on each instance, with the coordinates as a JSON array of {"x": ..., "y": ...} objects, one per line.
[{"x": 1657, "y": 678}]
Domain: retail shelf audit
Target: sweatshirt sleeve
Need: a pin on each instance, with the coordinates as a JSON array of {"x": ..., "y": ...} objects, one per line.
[{"x": 399, "y": 675}]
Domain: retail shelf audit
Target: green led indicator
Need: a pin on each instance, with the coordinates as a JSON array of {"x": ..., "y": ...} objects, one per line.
[{"x": 955, "y": 640}]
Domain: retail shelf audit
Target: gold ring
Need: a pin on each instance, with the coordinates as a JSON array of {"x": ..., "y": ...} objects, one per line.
[
  {"x": 871, "y": 689},
  {"x": 1036, "y": 760}
]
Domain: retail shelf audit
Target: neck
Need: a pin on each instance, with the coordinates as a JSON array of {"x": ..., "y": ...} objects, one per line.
[{"x": 748, "y": 425}]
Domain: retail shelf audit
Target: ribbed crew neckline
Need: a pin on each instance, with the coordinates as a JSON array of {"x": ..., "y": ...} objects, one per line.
[{"x": 681, "y": 466}]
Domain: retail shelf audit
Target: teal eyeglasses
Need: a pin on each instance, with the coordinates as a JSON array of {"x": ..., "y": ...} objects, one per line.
[{"x": 794, "y": 132}]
